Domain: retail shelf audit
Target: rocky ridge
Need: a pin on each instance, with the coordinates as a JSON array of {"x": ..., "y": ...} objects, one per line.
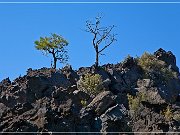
[{"x": 131, "y": 100}]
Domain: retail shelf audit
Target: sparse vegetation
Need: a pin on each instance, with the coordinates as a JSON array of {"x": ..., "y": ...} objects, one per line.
[
  {"x": 84, "y": 103},
  {"x": 143, "y": 96},
  {"x": 91, "y": 83},
  {"x": 135, "y": 101},
  {"x": 168, "y": 113},
  {"x": 155, "y": 68}
]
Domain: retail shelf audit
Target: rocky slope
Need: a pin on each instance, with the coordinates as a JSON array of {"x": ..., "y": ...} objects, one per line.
[{"x": 136, "y": 95}]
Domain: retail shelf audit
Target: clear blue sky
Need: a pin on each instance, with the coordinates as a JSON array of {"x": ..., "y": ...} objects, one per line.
[{"x": 140, "y": 27}]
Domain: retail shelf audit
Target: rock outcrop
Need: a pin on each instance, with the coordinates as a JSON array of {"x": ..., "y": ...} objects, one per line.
[{"x": 48, "y": 100}]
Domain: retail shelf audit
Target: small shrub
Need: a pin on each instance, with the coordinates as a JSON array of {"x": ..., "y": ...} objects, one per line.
[
  {"x": 143, "y": 96},
  {"x": 168, "y": 113},
  {"x": 155, "y": 68},
  {"x": 84, "y": 103},
  {"x": 135, "y": 101},
  {"x": 148, "y": 61},
  {"x": 91, "y": 83}
]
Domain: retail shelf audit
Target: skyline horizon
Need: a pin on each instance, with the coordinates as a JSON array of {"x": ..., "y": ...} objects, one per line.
[
  {"x": 77, "y": 68},
  {"x": 140, "y": 28}
]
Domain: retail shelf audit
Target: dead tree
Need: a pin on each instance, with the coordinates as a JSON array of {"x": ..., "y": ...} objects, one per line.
[{"x": 101, "y": 37}]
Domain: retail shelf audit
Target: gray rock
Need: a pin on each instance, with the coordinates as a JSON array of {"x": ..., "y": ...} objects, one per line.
[
  {"x": 105, "y": 84},
  {"x": 3, "y": 109},
  {"x": 60, "y": 80},
  {"x": 113, "y": 120},
  {"x": 102, "y": 101},
  {"x": 86, "y": 120},
  {"x": 149, "y": 121},
  {"x": 122, "y": 99},
  {"x": 167, "y": 57},
  {"x": 147, "y": 83},
  {"x": 125, "y": 78},
  {"x": 38, "y": 85},
  {"x": 81, "y": 95},
  {"x": 70, "y": 74},
  {"x": 5, "y": 82},
  {"x": 103, "y": 73},
  {"x": 161, "y": 93},
  {"x": 152, "y": 95},
  {"x": 113, "y": 114},
  {"x": 49, "y": 76}
]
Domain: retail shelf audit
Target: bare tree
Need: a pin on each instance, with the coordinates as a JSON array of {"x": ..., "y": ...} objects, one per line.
[{"x": 101, "y": 36}]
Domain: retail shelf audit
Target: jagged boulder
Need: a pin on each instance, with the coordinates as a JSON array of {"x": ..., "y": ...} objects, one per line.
[
  {"x": 85, "y": 121},
  {"x": 81, "y": 99},
  {"x": 158, "y": 94},
  {"x": 42, "y": 83},
  {"x": 81, "y": 95},
  {"x": 5, "y": 82},
  {"x": 102, "y": 102},
  {"x": 131, "y": 98},
  {"x": 113, "y": 120},
  {"x": 167, "y": 57},
  {"x": 53, "y": 79},
  {"x": 70, "y": 74},
  {"x": 125, "y": 75},
  {"x": 149, "y": 121},
  {"x": 3, "y": 109}
]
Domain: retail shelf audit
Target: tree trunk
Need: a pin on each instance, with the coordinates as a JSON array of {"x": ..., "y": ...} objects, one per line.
[
  {"x": 55, "y": 60},
  {"x": 97, "y": 58}
]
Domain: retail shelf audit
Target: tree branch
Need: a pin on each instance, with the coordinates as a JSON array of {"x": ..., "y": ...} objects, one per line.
[
  {"x": 50, "y": 51},
  {"x": 112, "y": 40},
  {"x": 105, "y": 34},
  {"x": 100, "y": 34}
]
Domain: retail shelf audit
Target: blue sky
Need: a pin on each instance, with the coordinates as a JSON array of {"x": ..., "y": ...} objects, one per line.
[{"x": 140, "y": 27}]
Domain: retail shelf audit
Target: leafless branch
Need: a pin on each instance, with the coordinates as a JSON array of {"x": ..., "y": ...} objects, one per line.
[
  {"x": 111, "y": 41},
  {"x": 105, "y": 34},
  {"x": 100, "y": 34}
]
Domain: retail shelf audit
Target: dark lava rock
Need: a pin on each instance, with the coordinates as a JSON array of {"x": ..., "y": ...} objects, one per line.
[
  {"x": 102, "y": 102},
  {"x": 168, "y": 57},
  {"x": 113, "y": 120},
  {"x": 48, "y": 100}
]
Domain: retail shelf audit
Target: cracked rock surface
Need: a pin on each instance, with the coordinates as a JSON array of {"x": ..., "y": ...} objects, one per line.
[{"x": 49, "y": 100}]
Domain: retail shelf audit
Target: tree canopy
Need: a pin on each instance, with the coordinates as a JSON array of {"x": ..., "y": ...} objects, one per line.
[{"x": 55, "y": 45}]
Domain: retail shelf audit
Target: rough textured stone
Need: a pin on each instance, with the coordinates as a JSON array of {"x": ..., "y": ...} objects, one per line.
[
  {"x": 113, "y": 120},
  {"x": 149, "y": 121},
  {"x": 48, "y": 100},
  {"x": 102, "y": 101},
  {"x": 168, "y": 57},
  {"x": 147, "y": 83},
  {"x": 161, "y": 93}
]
